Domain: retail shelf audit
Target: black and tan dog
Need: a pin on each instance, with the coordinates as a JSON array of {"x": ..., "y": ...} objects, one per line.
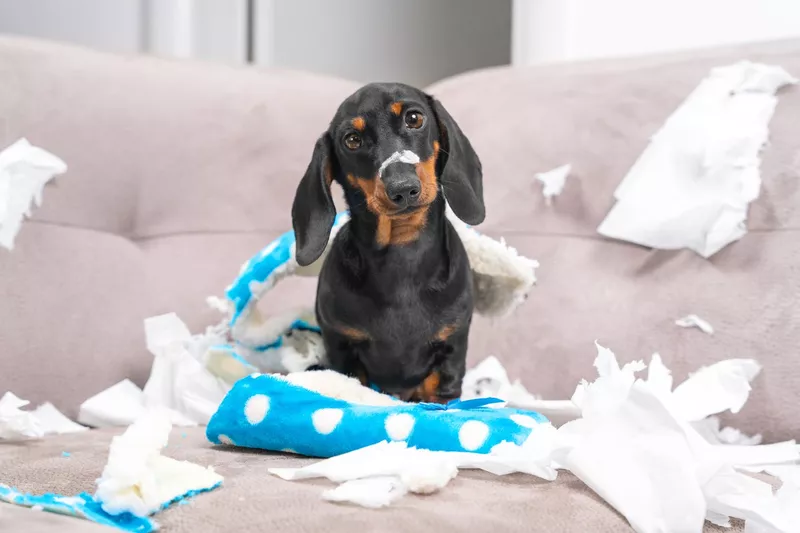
[{"x": 395, "y": 299}]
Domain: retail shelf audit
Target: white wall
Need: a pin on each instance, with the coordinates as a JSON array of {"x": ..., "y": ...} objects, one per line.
[
  {"x": 415, "y": 41},
  {"x": 563, "y": 30},
  {"x": 113, "y": 25}
]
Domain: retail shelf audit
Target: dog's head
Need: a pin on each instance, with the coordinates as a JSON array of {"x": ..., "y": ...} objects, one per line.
[{"x": 393, "y": 149}]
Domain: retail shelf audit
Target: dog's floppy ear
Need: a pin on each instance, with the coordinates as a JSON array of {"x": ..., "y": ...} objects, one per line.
[
  {"x": 459, "y": 168},
  {"x": 313, "y": 210}
]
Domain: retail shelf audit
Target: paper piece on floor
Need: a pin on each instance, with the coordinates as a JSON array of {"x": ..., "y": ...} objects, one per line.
[
  {"x": 553, "y": 182},
  {"x": 710, "y": 429},
  {"x": 692, "y": 185},
  {"x": 24, "y": 171},
  {"x": 19, "y": 424},
  {"x": 119, "y": 405},
  {"x": 723, "y": 386},
  {"x": 373, "y": 493},
  {"x": 14, "y": 422},
  {"x": 139, "y": 480},
  {"x": 54, "y": 421},
  {"x": 490, "y": 379},
  {"x": 179, "y": 380},
  {"x": 694, "y": 321}
]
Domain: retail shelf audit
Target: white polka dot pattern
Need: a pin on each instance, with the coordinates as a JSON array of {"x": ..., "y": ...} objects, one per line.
[
  {"x": 472, "y": 435},
  {"x": 524, "y": 420},
  {"x": 326, "y": 420},
  {"x": 224, "y": 439},
  {"x": 255, "y": 409},
  {"x": 399, "y": 426}
]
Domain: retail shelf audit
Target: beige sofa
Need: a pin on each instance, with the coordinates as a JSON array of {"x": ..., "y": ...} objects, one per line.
[{"x": 180, "y": 171}]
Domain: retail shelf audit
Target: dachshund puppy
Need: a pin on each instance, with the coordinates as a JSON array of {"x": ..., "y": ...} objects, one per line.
[{"x": 395, "y": 297}]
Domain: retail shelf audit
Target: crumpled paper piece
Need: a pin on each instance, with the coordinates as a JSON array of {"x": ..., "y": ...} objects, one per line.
[
  {"x": 16, "y": 424},
  {"x": 137, "y": 479},
  {"x": 490, "y": 379},
  {"x": 694, "y": 321},
  {"x": 24, "y": 171},
  {"x": 179, "y": 380},
  {"x": 692, "y": 186},
  {"x": 634, "y": 444},
  {"x": 553, "y": 182}
]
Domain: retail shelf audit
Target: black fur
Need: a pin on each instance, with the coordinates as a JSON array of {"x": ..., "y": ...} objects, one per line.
[{"x": 391, "y": 314}]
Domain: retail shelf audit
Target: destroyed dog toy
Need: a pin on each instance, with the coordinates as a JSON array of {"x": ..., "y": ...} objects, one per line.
[
  {"x": 323, "y": 414},
  {"x": 291, "y": 342}
]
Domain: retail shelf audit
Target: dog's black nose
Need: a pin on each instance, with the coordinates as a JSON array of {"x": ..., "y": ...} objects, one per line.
[{"x": 403, "y": 192}]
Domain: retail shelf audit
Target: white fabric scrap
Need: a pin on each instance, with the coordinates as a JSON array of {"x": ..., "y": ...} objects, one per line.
[
  {"x": 138, "y": 479},
  {"x": 692, "y": 185},
  {"x": 179, "y": 380},
  {"x": 24, "y": 171},
  {"x": 553, "y": 182},
  {"x": 694, "y": 321},
  {"x": 16, "y": 424}
]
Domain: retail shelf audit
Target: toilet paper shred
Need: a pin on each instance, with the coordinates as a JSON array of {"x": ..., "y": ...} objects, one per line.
[
  {"x": 19, "y": 424},
  {"x": 692, "y": 186},
  {"x": 694, "y": 321},
  {"x": 179, "y": 381},
  {"x": 553, "y": 182},
  {"x": 634, "y": 442},
  {"x": 24, "y": 171}
]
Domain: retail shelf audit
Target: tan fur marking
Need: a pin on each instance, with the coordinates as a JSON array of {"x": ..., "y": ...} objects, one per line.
[
  {"x": 328, "y": 174},
  {"x": 445, "y": 332},
  {"x": 397, "y": 108},
  {"x": 359, "y": 123},
  {"x": 353, "y": 333},
  {"x": 427, "y": 391}
]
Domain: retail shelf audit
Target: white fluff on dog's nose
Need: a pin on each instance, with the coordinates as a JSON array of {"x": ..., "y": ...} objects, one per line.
[{"x": 406, "y": 156}]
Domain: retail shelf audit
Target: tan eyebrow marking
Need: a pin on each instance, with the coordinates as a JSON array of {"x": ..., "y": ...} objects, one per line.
[{"x": 359, "y": 123}]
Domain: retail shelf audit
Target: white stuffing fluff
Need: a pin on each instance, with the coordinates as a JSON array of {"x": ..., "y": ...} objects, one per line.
[
  {"x": 339, "y": 386},
  {"x": 138, "y": 479},
  {"x": 502, "y": 278}
]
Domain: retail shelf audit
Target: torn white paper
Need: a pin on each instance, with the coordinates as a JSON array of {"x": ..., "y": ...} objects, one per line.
[
  {"x": 179, "y": 380},
  {"x": 553, "y": 182},
  {"x": 373, "y": 492},
  {"x": 490, "y": 379},
  {"x": 16, "y": 423},
  {"x": 54, "y": 421},
  {"x": 723, "y": 386},
  {"x": 24, "y": 171},
  {"x": 138, "y": 479},
  {"x": 694, "y": 321},
  {"x": 711, "y": 430},
  {"x": 692, "y": 185},
  {"x": 119, "y": 405}
]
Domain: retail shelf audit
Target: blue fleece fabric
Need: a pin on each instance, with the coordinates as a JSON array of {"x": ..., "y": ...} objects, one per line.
[{"x": 269, "y": 413}]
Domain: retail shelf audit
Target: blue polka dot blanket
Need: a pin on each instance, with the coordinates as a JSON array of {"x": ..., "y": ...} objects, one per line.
[
  {"x": 324, "y": 414},
  {"x": 291, "y": 341}
]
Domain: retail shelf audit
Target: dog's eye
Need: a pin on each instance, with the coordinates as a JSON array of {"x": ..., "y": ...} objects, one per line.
[
  {"x": 415, "y": 120},
  {"x": 353, "y": 141}
]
